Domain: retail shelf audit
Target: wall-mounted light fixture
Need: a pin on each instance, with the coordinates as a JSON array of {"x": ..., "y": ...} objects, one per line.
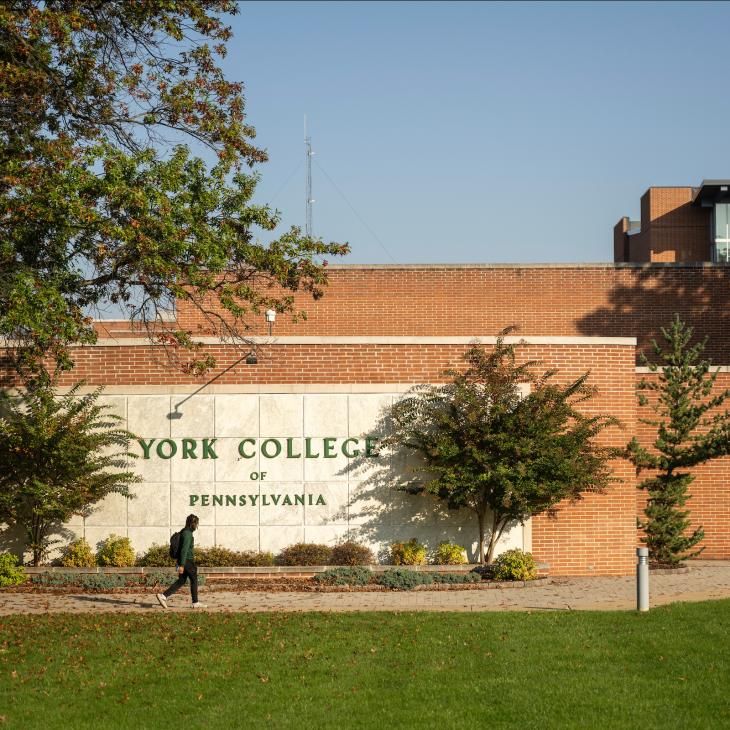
[
  {"x": 270, "y": 318},
  {"x": 251, "y": 358}
]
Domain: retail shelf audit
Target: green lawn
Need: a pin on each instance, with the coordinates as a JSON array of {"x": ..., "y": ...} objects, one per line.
[{"x": 670, "y": 668}]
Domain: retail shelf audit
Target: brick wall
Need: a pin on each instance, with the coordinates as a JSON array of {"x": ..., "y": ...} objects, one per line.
[
  {"x": 672, "y": 229},
  {"x": 595, "y": 536},
  {"x": 587, "y": 300}
]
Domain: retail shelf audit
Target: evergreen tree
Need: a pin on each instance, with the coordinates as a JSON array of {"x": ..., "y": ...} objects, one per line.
[
  {"x": 488, "y": 447},
  {"x": 60, "y": 455},
  {"x": 690, "y": 430}
]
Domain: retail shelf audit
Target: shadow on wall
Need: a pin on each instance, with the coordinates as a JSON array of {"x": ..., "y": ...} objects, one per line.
[
  {"x": 14, "y": 540},
  {"x": 641, "y": 304},
  {"x": 385, "y": 506}
]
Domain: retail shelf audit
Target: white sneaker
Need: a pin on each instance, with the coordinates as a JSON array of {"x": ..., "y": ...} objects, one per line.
[
  {"x": 162, "y": 600},
  {"x": 200, "y": 605}
]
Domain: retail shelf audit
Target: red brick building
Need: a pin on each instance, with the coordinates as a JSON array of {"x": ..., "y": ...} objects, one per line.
[
  {"x": 379, "y": 330},
  {"x": 678, "y": 224}
]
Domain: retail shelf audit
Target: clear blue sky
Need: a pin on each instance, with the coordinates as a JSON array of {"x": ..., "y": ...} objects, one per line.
[{"x": 482, "y": 132}]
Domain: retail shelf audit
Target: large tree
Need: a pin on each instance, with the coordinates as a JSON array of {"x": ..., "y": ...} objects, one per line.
[
  {"x": 691, "y": 429},
  {"x": 101, "y": 198},
  {"x": 60, "y": 455},
  {"x": 489, "y": 447}
]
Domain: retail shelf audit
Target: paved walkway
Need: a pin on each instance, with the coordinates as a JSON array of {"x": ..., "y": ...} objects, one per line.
[{"x": 705, "y": 580}]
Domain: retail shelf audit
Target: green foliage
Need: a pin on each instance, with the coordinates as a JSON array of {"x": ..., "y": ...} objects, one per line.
[
  {"x": 116, "y": 552},
  {"x": 60, "y": 455},
  {"x": 487, "y": 447},
  {"x": 457, "y": 578},
  {"x": 345, "y": 576},
  {"x": 408, "y": 553},
  {"x": 305, "y": 553},
  {"x": 352, "y": 553},
  {"x": 690, "y": 430},
  {"x": 515, "y": 565},
  {"x": 10, "y": 572},
  {"x": 222, "y": 557},
  {"x": 157, "y": 556},
  {"x": 78, "y": 554},
  {"x": 97, "y": 205},
  {"x": 163, "y": 579},
  {"x": 402, "y": 579},
  {"x": 105, "y": 581},
  {"x": 448, "y": 553}
]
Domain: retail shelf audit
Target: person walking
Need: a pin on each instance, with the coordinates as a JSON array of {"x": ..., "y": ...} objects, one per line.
[{"x": 186, "y": 567}]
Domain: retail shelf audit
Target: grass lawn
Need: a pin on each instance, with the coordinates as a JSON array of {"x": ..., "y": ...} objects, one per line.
[{"x": 670, "y": 668}]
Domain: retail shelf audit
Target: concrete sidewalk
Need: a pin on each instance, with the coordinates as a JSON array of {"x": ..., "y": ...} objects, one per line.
[{"x": 705, "y": 580}]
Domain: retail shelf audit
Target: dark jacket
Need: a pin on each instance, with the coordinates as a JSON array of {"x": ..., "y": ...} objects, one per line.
[{"x": 187, "y": 545}]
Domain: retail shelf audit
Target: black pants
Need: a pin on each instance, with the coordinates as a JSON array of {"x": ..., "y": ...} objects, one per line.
[{"x": 190, "y": 570}]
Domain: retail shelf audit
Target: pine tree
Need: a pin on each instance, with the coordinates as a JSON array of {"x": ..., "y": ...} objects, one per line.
[{"x": 690, "y": 430}]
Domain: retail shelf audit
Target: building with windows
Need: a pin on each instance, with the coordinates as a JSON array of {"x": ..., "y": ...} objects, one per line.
[{"x": 678, "y": 224}]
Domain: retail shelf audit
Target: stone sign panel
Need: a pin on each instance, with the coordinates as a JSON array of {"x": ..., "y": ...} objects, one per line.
[{"x": 265, "y": 470}]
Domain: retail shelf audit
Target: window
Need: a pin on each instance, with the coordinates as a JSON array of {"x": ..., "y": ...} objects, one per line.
[{"x": 721, "y": 227}]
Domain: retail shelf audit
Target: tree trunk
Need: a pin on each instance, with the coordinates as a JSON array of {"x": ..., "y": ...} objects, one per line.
[
  {"x": 480, "y": 519},
  {"x": 493, "y": 538},
  {"x": 38, "y": 530}
]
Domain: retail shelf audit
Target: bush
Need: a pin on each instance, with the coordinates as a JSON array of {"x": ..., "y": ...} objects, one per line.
[
  {"x": 157, "y": 556},
  {"x": 515, "y": 565},
  {"x": 456, "y": 578},
  {"x": 116, "y": 551},
  {"x": 354, "y": 576},
  {"x": 221, "y": 557},
  {"x": 448, "y": 553},
  {"x": 10, "y": 572},
  {"x": 101, "y": 581},
  {"x": 408, "y": 553},
  {"x": 401, "y": 579},
  {"x": 352, "y": 553},
  {"x": 305, "y": 553},
  {"x": 78, "y": 554}
]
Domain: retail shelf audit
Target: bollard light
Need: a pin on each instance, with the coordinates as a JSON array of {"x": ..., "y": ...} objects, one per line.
[{"x": 642, "y": 579}]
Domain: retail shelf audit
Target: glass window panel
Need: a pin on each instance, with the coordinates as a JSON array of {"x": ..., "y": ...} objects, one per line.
[
  {"x": 722, "y": 252},
  {"x": 722, "y": 219}
]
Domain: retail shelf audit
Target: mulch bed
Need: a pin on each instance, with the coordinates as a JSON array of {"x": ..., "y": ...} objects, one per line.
[{"x": 274, "y": 585}]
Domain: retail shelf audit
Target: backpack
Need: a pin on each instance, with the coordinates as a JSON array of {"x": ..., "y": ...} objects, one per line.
[{"x": 175, "y": 545}]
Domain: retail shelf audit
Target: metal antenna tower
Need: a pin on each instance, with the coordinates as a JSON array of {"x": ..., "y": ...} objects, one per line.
[{"x": 309, "y": 198}]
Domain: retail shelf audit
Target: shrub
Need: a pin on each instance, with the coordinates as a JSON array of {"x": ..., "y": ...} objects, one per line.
[
  {"x": 305, "y": 553},
  {"x": 10, "y": 572},
  {"x": 448, "y": 553},
  {"x": 78, "y": 554},
  {"x": 157, "y": 556},
  {"x": 348, "y": 576},
  {"x": 352, "y": 553},
  {"x": 408, "y": 553},
  {"x": 212, "y": 557},
  {"x": 100, "y": 581},
  {"x": 116, "y": 551},
  {"x": 54, "y": 579},
  {"x": 160, "y": 578},
  {"x": 455, "y": 578},
  {"x": 515, "y": 565},
  {"x": 401, "y": 579}
]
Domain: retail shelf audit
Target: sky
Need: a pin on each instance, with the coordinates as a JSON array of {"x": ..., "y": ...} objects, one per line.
[{"x": 478, "y": 132}]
